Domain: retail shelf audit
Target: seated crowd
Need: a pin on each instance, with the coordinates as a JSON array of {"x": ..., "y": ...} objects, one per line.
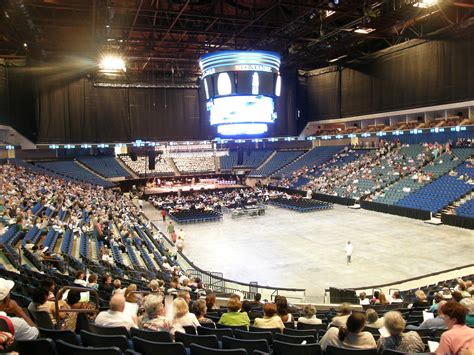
[
  {"x": 173, "y": 310},
  {"x": 214, "y": 201},
  {"x": 371, "y": 171}
]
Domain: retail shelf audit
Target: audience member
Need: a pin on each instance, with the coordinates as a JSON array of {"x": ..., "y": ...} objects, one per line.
[
  {"x": 420, "y": 300},
  {"x": 211, "y": 302},
  {"x": 343, "y": 313},
  {"x": 438, "y": 297},
  {"x": 436, "y": 322},
  {"x": 182, "y": 316},
  {"x": 270, "y": 319},
  {"x": 199, "y": 309},
  {"x": 373, "y": 320},
  {"x": 114, "y": 317},
  {"x": 256, "y": 300},
  {"x": 468, "y": 303},
  {"x": 154, "y": 316},
  {"x": 73, "y": 301},
  {"x": 396, "y": 298},
  {"x": 350, "y": 335},
  {"x": 25, "y": 329},
  {"x": 459, "y": 336},
  {"x": 283, "y": 310},
  {"x": 409, "y": 342},
  {"x": 309, "y": 316},
  {"x": 80, "y": 279},
  {"x": 233, "y": 317},
  {"x": 92, "y": 282},
  {"x": 363, "y": 300}
]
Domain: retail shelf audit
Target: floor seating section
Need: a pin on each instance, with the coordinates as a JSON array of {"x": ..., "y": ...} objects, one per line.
[
  {"x": 195, "y": 216},
  {"x": 301, "y": 205},
  {"x": 105, "y": 166},
  {"x": 141, "y": 167},
  {"x": 278, "y": 161},
  {"x": 74, "y": 171}
]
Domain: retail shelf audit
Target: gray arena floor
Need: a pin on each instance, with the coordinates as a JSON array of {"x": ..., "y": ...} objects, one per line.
[{"x": 306, "y": 250}]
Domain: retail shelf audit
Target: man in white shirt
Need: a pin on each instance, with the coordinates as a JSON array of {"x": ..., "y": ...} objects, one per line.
[
  {"x": 24, "y": 327},
  {"x": 349, "y": 252},
  {"x": 115, "y": 317}
]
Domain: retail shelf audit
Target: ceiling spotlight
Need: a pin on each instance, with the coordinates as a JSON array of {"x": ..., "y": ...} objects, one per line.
[
  {"x": 425, "y": 3},
  {"x": 112, "y": 63},
  {"x": 364, "y": 30},
  {"x": 25, "y": 45},
  {"x": 336, "y": 59}
]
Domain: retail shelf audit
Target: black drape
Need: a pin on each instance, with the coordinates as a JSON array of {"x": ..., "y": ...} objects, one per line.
[
  {"x": 429, "y": 73},
  {"x": 3, "y": 96},
  {"x": 324, "y": 95},
  {"x": 80, "y": 112}
]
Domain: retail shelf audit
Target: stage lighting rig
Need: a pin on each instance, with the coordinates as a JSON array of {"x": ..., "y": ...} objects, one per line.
[{"x": 112, "y": 63}]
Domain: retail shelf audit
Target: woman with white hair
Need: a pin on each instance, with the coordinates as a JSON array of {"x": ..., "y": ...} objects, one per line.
[
  {"x": 153, "y": 318},
  {"x": 309, "y": 315},
  {"x": 409, "y": 342},
  {"x": 182, "y": 317}
]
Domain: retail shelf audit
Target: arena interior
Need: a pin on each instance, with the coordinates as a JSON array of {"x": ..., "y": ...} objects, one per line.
[{"x": 236, "y": 177}]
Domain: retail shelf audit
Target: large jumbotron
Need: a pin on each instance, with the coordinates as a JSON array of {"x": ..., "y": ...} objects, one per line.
[{"x": 211, "y": 177}]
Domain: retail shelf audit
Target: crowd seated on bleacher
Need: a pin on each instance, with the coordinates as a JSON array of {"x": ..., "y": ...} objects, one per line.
[
  {"x": 371, "y": 172},
  {"x": 141, "y": 167},
  {"x": 195, "y": 163}
]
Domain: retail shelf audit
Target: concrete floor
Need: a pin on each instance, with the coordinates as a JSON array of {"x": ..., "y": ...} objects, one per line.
[{"x": 306, "y": 250}]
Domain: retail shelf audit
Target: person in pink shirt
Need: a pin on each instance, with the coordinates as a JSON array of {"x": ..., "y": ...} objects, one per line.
[{"x": 459, "y": 337}]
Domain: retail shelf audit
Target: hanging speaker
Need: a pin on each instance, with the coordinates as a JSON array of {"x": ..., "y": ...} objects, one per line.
[
  {"x": 151, "y": 160},
  {"x": 133, "y": 156}
]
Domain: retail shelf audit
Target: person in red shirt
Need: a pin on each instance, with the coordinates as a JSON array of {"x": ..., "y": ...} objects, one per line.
[{"x": 163, "y": 214}]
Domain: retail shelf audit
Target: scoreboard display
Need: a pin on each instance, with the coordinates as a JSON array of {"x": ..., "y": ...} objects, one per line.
[{"x": 240, "y": 89}]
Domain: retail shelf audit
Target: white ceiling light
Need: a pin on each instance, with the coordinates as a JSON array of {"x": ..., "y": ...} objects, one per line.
[
  {"x": 336, "y": 59},
  {"x": 112, "y": 63},
  {"x": 425, "y": 3},
  {"x": 364, "y": 30}
]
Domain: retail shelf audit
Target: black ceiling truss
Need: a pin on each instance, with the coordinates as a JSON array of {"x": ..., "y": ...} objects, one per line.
[{"x": 169, "y": 36}]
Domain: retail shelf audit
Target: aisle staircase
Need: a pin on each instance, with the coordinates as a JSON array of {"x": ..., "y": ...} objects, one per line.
[
  {"x": 171, "y": 163},
  {"x": 126, "y": 168},
  {"x": 455, "y": 204},
  {"x": 85, "y": 167}
]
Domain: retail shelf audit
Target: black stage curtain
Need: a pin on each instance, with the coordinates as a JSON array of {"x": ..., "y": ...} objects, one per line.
[
  {"x": 396, "y": 210},
  {"x": 79, "y": 112},
  {"x": 419, "y": 74},
  {"x": 164, "y": 113},
  {"x": 21, "y": 102},
  {"x": 324, "y": 96},
  {"x": 4, "y": 109},
  {"x": 286, "y": 106},
  {"x": 457, "y": 221}
]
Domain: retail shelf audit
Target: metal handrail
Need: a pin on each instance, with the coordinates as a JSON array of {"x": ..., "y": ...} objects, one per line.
[{"x": 59, "y": 294}]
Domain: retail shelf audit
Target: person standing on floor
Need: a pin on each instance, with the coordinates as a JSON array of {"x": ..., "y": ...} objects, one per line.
[
  {"x": 349, "y": 250},
  {"x": 163, "y": 214}
]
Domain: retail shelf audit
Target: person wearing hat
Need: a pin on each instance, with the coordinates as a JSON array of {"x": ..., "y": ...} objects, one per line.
[{"x": 25, "y": 329}]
